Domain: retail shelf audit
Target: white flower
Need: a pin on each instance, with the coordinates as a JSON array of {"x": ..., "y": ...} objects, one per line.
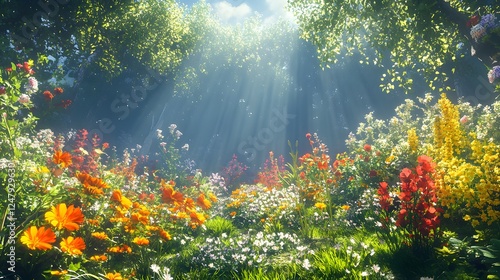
[
  {"x": 185, "y": 147},
  {"x": 24, "y": 98},
  {"x": 178, "y": 134},
  {"x": 376, "y": 268},
  {"x": 306, "y": 264},
  {"x": 172, "y": 128},
  {"x": 155, "y": 268},
  {"x": 158, "y": 134}
]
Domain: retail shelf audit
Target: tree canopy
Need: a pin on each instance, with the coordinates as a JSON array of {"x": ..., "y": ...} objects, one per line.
[
  {"x": 406, "y": 37},
  {"x": 104, "y": 36}
]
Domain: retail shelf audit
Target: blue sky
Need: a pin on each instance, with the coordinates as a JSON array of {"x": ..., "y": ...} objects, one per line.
[{"x": 233, "y": 11}]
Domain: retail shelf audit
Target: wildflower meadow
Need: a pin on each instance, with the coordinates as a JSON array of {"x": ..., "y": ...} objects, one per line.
[{"x": 416, "y": 196}]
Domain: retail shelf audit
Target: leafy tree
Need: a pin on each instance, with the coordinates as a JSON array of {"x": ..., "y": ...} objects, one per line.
[
  {"x": 408, "y": 37},
  {"x": 103, "y": 36}
]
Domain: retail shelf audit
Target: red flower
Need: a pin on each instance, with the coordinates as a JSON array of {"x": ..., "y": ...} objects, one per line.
[
  {"x": 367, "y": 148},
  {"x": 64, "y": 103},
  {"x": 27, "y": 68},
  {"x": 384, "y": 198},
  {"x": 426, "y": 163},
  {"x": 8, "y": 69},
  {"x": 48, "y": 95},
  {"x": 2, "y": 90},
  {"x": 308, "y": 136},
  {"x": 406, "y": 175},
  {"x": 58, "y": 90}
]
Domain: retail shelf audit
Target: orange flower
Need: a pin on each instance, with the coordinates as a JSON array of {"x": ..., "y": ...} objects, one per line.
[
  {"x": 196, "y": 219},
  {"x": 169, "y": 195},
  {"x": 141, "y": 241},
  {"x": 48, "y": 95},
  {"x": 120, "y": 249},
  {"x": 165, "y": 235},
  {"x": 72, "y": 246},
  {"x": 92, "y": 185},
  {"x": 117, "y": 196},
  {"x": 58, "y": 90},
  {"x": 113, "y": 276},
  {"x": 203, "y": 202},
  {"x": 322, "y": 165},
  {"x": 345, "y": 207},
  {"x": 99, "y": 258},
  {"x": 62, "y": 158},
  {"x": 93, "y": 222},
  {"x": 38, "y": 238},
  {"x": 232, "y": 214},
  {"x": 100, "y": 235},
  {"x": 62, "y": 217}
]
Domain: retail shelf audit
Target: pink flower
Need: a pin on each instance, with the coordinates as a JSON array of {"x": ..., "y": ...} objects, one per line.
[
  {"x": 464, "y": 119},
  {"x": 24, "y": 98}
]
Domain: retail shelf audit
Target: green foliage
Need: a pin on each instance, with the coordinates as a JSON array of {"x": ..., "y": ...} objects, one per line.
[
  {"x": 406, "y": 37},
  {"x": 219, "y": 225},
  {"x": 491, "y": 254}
]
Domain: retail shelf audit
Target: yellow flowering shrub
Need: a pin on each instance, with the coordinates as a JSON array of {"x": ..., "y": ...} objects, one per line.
[
  {"x": 468, "y": 168},
  {"x": 413, "y": 139}
]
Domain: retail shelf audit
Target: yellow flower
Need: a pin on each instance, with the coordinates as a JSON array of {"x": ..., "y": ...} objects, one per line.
[
  {"x": 413, "y": 139},
  {"x": 99, "y": 258},
  {"x": 466, "y": 218},
  {"x": 320, "y": 205},
  {"x": 58, "y": 272},
  {"x": 100, "y": 235},
  {"x": 141, "y": 241}
]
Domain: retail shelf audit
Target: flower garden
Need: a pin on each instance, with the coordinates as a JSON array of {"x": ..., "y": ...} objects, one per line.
[{"x": 414, "y": 197}]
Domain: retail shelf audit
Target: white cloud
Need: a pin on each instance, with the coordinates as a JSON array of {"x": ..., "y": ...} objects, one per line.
[
  {"x": 228, "y": 12},
  {"x": 277, "y": 8}
]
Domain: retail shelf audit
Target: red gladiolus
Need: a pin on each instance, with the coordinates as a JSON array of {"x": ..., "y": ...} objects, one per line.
[
  {"x": 418, "y": 198},
  {"x": 384, "y": 198}
]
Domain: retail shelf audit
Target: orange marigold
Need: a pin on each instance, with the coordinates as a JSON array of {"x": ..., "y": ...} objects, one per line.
[
  {"x": 99, "y": 258},
  {"x": 100, "y": 235},
  {"x": 65, "y": 217},
  {"x": 117, "y": 196},
  {"x": 72, "y": 246},
  {"x": 169, "y": 195},
  {"x": 38, "y": 238},
  {"x": 92, "y": 185},
  {"x": 165, "y": 235},
  {"x": 197, "y": 219},
  {"x": 62, "y": 158},
  {"x": 113, "y": 276},
  {"x": 141, "y": 241},
  {"x": 203, "y": 202}
]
